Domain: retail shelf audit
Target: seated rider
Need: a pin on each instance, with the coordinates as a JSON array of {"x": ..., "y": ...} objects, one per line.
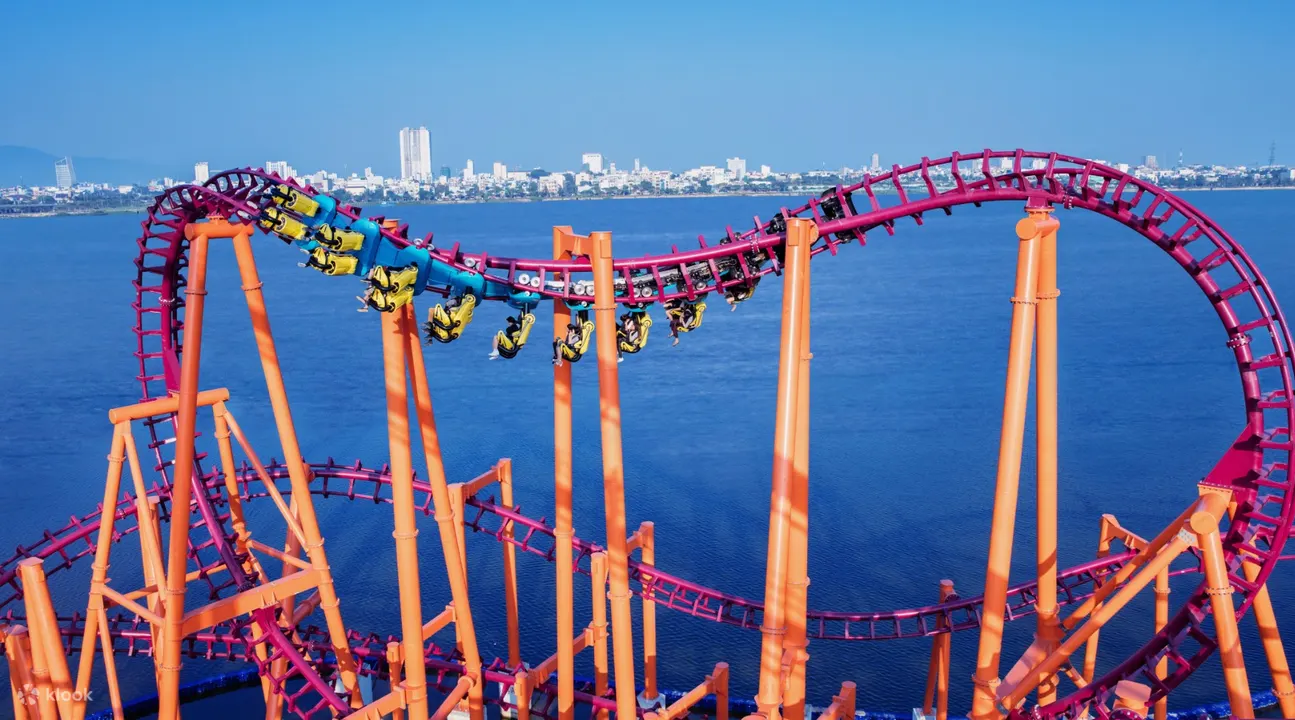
[
  {"x": 511, "y": 333},
  {"x": 628, "y": 336},
  {"x": 567, "y": 344}
]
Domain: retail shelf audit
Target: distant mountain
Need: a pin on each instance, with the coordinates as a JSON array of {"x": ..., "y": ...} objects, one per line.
[{"x": 29, "y": 166}]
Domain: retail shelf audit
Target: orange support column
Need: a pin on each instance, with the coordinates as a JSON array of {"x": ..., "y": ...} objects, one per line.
[
  {"x": 1219, "y": 587},
  {"x": 177, "y": 565},
  {"x": 1266, "y": 619},
  {"x": 1103, "y": 550},
  {"x": 510, "y": 568},
  {"x": 47, "y": 643},
  {"x": 1003, "y": 525},
  {"x": 609, "y": 403},
  {"x": 18, "y": 656},
  {"x": 795, "y": 643},
  {"x": 445, "y": 522},
  {"x": 1048, "y": 628},
  {"x": 769, "y": 697},
  {"x": 598, "y": 578},
  {"x": 1162, "y": 619},
  {"x": 651, "y": 699},
  {"x": 402, "y": 500},
  {"x": 297, "y": 471},
  {"x": 103, "y": 548},
  {"x": 563, "y": 530},
  {"x": 937, "y": 672}
]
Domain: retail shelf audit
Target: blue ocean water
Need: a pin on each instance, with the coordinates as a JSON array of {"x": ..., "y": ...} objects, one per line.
[{"x": 909, "y": 341}]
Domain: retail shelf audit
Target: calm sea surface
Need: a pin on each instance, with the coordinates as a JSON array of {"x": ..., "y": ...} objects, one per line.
[{"x": 909, "y": 340}]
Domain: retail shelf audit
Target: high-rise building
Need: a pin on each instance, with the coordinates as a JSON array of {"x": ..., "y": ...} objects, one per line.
[
  {"x": 64, "y": 174},
  {"x": 500, "y": 171},
  {"x": 876, "y": 162},
  {"x": 592, "y": 162},
  {"x": 737, "y": 168},
  {"x": 766, "y": 171},
  {"x": 446, "y": 171},
  {"x": 415, "y": 154},
  {"x": 636, "y": 165},
  {"x": 1150, "y": 161},
  {"x": 280, "y": 166},
  {"x": 200, "y": 173},
  {"x": 467, "y": 171}
]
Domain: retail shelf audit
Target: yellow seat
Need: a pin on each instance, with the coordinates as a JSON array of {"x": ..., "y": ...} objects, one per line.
[
  {"x": 331, "y": 263},
  {"x": 290, "y": 198},
  {"x": 686, "y": 317},
  {"x": 624, "y": 342},
  {"x": 384, "y": 301},
  {"x": 339, "y": 240},
  {"x": 572, "y": 352},
  {"x": 389, "y": 278},
  {"x": 285, "y": 226},
  {"x": 508, "y": 344},
  {"x": 446, "y": 325}
]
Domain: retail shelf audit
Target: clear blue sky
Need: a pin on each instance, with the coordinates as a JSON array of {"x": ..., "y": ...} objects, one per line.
[{"x": 795, "y": 85}]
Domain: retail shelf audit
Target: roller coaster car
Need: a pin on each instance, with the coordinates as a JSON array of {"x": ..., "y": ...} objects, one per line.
[
  {"x": 290, "y": 198},
  {"x": 632, "y": 338},
  {"x": 446, "y": 324},
  {"x": 338, "y": 240},
  {"x": 572, "y": 347},
  {"x": 685, "y": 316},
  {"x": 283, "y": 225},
  {"x": 384, "y": 301},
  {"x": 509, "y": 342},
  {"x": 389, "y": 278},
  {"x": 331, "y": 263}
]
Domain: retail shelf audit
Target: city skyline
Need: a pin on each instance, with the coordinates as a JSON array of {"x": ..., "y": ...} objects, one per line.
[{"x": 635, "y": 81}]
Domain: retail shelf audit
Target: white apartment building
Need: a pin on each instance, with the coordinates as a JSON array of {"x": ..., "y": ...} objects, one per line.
[
  {"x": 592, "y": 162},
  {"x": 200, "y": 173},
  {"x": 415, "y": 154}
]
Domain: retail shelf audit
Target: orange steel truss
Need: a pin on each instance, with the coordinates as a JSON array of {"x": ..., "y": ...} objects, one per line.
[{"x": 36, "y": 654}]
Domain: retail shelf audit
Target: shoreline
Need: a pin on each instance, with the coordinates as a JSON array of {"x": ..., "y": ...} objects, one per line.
[{"x": 753, "y": 193}]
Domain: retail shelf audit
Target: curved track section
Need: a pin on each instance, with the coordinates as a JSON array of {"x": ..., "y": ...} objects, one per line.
[{"x": 1257, "y": 335}]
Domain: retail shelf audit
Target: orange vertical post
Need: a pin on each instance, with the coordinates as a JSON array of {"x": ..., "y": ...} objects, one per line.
[
  {"x": 395, "y": 664},
  {"x": 444, "y": 516},
  {"x": 297, "y": 470},
  {"x": 651, "y": 699},
  {"x": 1048, "y": 627},
  {"x": 598, "y": 578},
  {"x": 609, "y": 403},
  {"x": 1219, "y": 587},
  {"x": 510, "y": 568},
  {"x": 720, "y": 683},
  {"x": 1103, "y": 550},
  {"x": 799, "y": 236},
  {"x": 795, "y": 643},
  {"x": 45, "y": 634},
  {"x": 18, "y": 656},
  {"x": 937, "y": 672},
  {"x": 402, "y": 500},
  {"x": 563, "y": 530},
  {"x": 1278, "y": 665},
  {"x": 1162, "y": 619},
  {"x": 168, "y": 690},
  {"x": 103, "y": 548},
  {"x": 1003, "y": 524}
]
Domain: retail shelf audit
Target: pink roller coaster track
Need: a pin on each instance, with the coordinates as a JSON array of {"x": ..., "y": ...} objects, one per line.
[{"x": 1254, "y": 469}]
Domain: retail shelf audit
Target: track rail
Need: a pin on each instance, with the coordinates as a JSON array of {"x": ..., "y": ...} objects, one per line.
[
  {"x": 1255, "y": 470},
  {"x": 372, "y": 486}
]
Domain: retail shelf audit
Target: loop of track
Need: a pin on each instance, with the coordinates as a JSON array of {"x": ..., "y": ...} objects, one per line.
[{"x": 1256, "y": 471}]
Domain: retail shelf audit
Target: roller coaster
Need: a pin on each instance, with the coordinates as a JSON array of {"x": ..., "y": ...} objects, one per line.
[{"x": 309, "y": 663}]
